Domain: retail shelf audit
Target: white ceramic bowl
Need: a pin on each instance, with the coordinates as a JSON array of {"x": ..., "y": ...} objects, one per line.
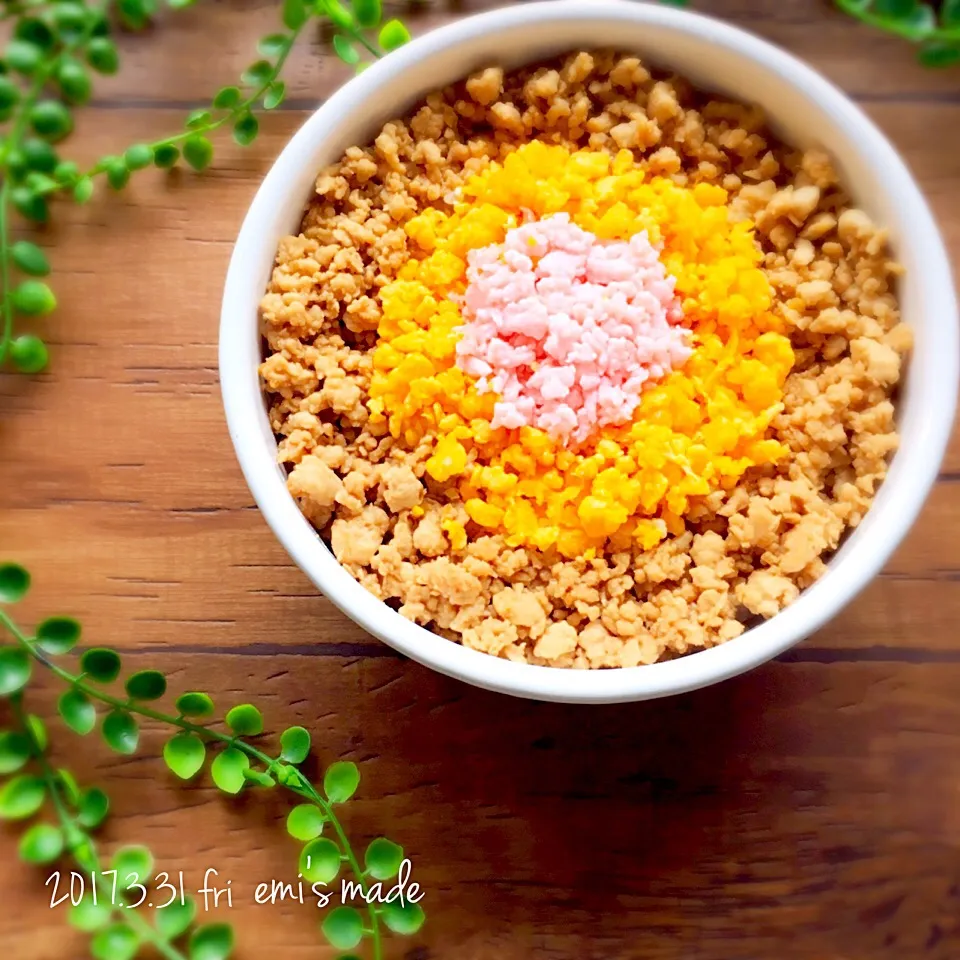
[{"x": 805, "y": 110}]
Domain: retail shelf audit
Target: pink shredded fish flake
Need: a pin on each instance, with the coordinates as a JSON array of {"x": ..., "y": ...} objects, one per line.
[{"x": 568, "y": 328}]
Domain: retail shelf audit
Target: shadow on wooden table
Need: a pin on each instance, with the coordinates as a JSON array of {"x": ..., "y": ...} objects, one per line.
[{"x": 785, "y": 813}]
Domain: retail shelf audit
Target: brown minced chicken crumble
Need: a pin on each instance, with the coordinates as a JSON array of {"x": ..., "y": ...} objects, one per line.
[{"x": 744, "y": 554}]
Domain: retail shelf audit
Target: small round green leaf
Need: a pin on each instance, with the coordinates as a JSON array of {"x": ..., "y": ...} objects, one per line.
[
  {"x": 34, "y": 298},
  {"x": 35, "y": 31},
  {"x": 93, "y": 808},
  {"x": 9, "y": 93},
  {"x": 383, "y": 858},
  {"x": 939, "y": 54},
  {"x": 305, "y": 822},
  {"x": 194, "y": 705},
  {"x": 166, "y": 155},
  {"x": 121, "y": 732},
  {"x": 58, "y": 635},
  {"x": 21, "y": 797},
  {"x": 16, "y": 163},
  {"x": 898, "y": 9},
  {"x": 245, "y": 720},
  {"x": 402, "y": 917},
  {"x": 66, "y": 171},
  {"x": 275, "y": 95},
  {"x": 345, "y": 50},
  {"x": 184, "y": 755},
  {"x": 70, "y": 20},
  {"x": 343, "y": 927},
  {"x": 174, "y": 920},
  {"x": 69, "y": 786},
  {"x": 14, "y": 670},
  {"x": 80, "y": 845},
  {"x": 273, "y": 45},
  {"x": 38, "y": 730},
  {"x": 257, "y": 74},
  {"x": 118, "y": 174},
  {"x": 29, "y": 353},
  {"x": 226, "y": 97},
  {"x": 138, "y": 156},
  {"x": 339, "y": 15},
  {"x": 14, "y": 582},
  {"x": 23, "y": 56},
  {"x": 51, "y": 119},
  {"x": 89, "y": 917},
  {"x": 136, "y": 14},
  {"x": 320, "y": 861},
  {"x": 134, "y": 859},
  {"x": 211, "y": 942},
  {"x": 245, "y": 129},
  {"x": 294, "y": 744},
  {"x": 78, "y": 713},
  {"x": 393, "y": 34},
  {"x": 341, "y": 781},
  {"x": 83, "y": 190},
  {"x": 294, "y": 15},
  {"x": 14, "y": 750},
  {"x": 102, "y": 55},
  {"x": 40, "y": 157},
  {"x": 198, "y": 152},
  {"x": 367, "y": 12},
  {"x": 101, "y": 663},
  {"x": 74, "y": 81},
  {"x": 30, "y": 258},
  {"x": 30, "y": 204},
  {"x": 198, "y": 118},
  {"x": 116, "y": 942},
  {"x": 227, "y": 770},
  {"x": 146, "y": 685},
  {"x": 42, "y": 843},
  {"x": 40, "y": 183}
]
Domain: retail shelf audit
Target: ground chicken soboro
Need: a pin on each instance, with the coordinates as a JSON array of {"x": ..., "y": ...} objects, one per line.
[{"x": 742, "y": 550}]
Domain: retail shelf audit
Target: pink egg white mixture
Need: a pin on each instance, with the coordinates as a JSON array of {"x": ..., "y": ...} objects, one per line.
[{"x": 568, "y": 328}]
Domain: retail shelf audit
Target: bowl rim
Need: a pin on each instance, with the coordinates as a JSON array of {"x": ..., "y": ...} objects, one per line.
[{"x": 243, "y": 403}]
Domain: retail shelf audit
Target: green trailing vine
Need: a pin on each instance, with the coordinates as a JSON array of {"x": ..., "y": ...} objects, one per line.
[
  {"x": 55, "y": 50},
  {"x": 46, "y": 72},
  {"x": 91, "y": 698},
  {"x": 933, "y": 27}
]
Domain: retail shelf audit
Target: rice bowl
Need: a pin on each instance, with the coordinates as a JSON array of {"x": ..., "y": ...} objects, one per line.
[{"x": 868, "y": 169}]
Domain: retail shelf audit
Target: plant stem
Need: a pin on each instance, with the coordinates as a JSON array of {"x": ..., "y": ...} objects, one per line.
[
  {"x": 87, "y": 859},
  {"x": 302, "y": 786},
  {"x": 230, "y": 115},
  {"x": 364, "y": 42},
  {"x": 10, "y": 144}
]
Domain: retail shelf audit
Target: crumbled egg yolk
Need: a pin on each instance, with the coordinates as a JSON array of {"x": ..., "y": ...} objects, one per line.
[{"x": 694, "y": 432}]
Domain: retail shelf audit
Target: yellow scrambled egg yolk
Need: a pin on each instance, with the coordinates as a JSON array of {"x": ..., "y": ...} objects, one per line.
[{"x": 694, "y": 432}]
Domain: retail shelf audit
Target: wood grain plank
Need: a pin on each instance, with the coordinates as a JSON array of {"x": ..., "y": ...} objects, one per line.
[
  {"x": 172, "y": 62},
  {"x": 728, "y": 824}
]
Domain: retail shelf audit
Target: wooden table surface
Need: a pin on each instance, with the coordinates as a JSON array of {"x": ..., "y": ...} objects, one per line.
[{"x": 809, "y": 810}]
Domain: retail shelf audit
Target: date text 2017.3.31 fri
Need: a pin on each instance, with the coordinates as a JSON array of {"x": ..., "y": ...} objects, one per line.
[{"x": 108, "y": 887}]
